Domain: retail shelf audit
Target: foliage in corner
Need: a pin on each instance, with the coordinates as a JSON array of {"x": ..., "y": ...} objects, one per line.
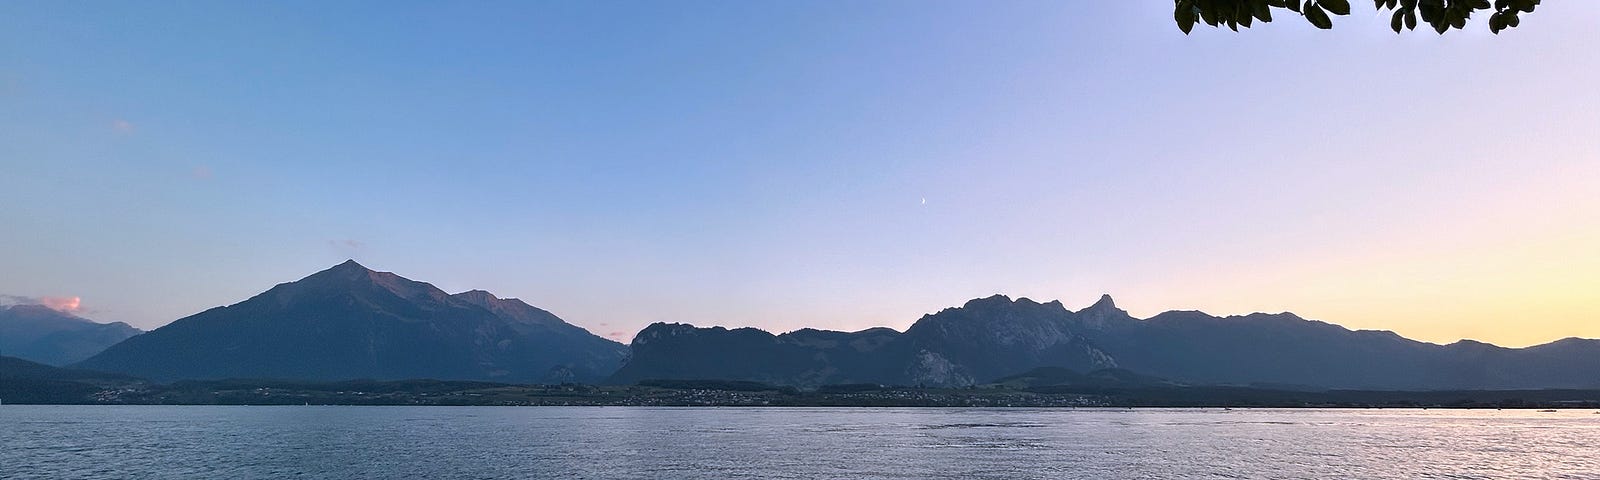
[{"x": 1442, "y": 15}]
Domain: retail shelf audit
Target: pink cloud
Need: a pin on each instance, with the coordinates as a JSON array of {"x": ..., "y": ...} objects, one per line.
[
  {"x": 62, "y": 304},
  {"x": 122, "y": 126},
  {"x": 202, "y": 172}
]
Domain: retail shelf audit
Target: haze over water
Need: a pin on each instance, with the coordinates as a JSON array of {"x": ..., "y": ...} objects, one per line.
[{"x": 668, "y": 443}]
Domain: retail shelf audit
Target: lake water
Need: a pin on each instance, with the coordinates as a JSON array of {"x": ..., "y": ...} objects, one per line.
[{"x": 845, "y": 443}]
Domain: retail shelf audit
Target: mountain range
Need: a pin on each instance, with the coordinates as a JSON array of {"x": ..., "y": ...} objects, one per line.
[
  {"x": 349, "y": 322},
  {"x": 991, "y": 338},
  {"x": 45, "y": 335}
]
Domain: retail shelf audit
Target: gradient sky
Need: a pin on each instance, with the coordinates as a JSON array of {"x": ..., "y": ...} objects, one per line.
[{"x": 785, "y": 164}]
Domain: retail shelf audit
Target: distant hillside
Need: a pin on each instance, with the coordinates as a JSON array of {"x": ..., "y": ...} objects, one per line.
[
  {"x": 44, "y": 335},
  {"x": 1284, "y": 349},
  {"x": 1057, "y": 377},
  {"x": 22, "y": 381},
  {"x": 349, "y": 322},
  {"x": 961, "y": 346},
  {"x": 990, "y": 338}
]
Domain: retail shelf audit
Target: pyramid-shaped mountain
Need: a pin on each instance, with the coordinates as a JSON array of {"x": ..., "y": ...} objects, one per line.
[{"x": 349, "y": 322}]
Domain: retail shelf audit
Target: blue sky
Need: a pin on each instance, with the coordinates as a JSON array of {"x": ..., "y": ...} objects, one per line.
[{"x": 787, "y": 164}]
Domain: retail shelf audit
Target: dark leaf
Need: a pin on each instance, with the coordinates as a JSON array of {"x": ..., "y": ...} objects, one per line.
[
  {"x": 1185, "y": 17},
  {"x": 1318, "y": 17},
  {"x": 1262, "y": 11},
  {"x": 1337, "y": 7}
]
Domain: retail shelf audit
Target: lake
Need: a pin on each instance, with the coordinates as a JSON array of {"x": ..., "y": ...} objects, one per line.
[{"x": 671, "y": 443}]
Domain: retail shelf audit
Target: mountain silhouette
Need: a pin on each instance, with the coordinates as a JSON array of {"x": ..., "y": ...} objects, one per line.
[
  {"x": 995, "y": 337},
  {"x": 984, "y": 339},
  {"x": 349, "y": 322},
  {"x": 44, "y": 335}
]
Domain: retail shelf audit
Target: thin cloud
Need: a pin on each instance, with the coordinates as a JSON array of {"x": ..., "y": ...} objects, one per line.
[
  {"x": 60, "y": 304},
  {"x": 122, "y": 126}
]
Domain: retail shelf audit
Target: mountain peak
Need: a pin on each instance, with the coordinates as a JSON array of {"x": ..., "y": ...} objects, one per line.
[
  {"x": 477, "y": 296},
  {"x": 1105, "y": 303},
  {"x": 348, "y": 270},
  {"x": 1104, "y": 307},
  {"x": 350, "y": 264},
  {"x": 352, "y": 277},
  {"x": 996, "y": 299},
  {"x": 1104, "y": 314}
]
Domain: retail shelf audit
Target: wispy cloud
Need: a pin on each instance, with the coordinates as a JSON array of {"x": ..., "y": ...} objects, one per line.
[
  {"x": 348, "y": 243},
  {"x": 201, "y": 172},
  {"x": 122, "y": 126},
  {"x": 60, "y": 304}
]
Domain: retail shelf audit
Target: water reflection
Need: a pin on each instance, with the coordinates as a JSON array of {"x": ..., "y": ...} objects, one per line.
[{"x": 656, "y": 443}]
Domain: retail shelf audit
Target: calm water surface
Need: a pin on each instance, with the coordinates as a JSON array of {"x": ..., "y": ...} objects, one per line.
[{"x": 670, "y": 443}]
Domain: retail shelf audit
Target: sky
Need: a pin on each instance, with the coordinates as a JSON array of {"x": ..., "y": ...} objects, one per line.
[{"x": 826, "y": 164}]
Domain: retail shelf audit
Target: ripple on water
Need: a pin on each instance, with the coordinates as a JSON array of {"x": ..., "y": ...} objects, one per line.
[{"x": 876, "y": 443}]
